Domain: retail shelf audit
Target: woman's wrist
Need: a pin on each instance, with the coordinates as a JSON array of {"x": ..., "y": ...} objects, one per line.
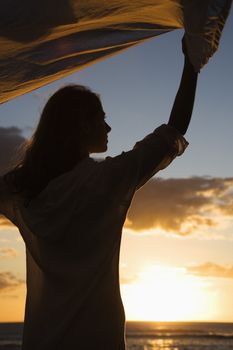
[{"x": 188, "y": 65}]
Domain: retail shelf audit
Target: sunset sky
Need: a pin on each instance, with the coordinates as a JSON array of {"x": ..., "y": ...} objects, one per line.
[{"x": 177, "y": 246}]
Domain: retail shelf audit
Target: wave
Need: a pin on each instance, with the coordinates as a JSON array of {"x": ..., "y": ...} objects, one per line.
[
  {"x": 172, "y": 334},
  {"x": 10, "y": 343}
]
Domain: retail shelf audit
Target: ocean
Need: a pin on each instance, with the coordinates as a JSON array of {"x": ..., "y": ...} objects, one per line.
[
  {"x": 179, "y": 336},
  {"x": 151, "y": 336}
]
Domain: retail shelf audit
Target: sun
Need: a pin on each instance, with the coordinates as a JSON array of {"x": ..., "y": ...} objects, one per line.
[{"x": 163, "y": 293}]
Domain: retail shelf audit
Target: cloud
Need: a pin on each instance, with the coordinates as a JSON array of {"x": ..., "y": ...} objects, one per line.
[
  {"x": 6, "y": 253},
  {"x": 4, "y": 240},
  {"x": 210, "y": 269},
  {"x": 10, "y": 139},
  {"x": 205, "y": 270},
  {"x": 9, "y": 281},
  {"x": 128, "y": 279},
  {"x": 181, "y": 206},
  {"x": 5, "y": 223}
]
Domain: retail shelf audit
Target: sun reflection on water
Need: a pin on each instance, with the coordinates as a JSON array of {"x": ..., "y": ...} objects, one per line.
[
  {"x": 155, "y": 344},
  {"x": 158, "y": 344}
]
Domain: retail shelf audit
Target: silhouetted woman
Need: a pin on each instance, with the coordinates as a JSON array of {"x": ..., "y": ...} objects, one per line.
[{"x": 70, "y": 210}]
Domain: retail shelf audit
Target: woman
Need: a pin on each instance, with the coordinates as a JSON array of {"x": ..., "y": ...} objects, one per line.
[{"x": 70, "y": 210}]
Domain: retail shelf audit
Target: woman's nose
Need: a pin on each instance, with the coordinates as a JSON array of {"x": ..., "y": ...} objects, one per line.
[{"x": 108, "y": 127}]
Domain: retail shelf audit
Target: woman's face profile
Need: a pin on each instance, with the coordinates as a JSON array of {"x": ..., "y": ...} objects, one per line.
[{"x": 98, "y": 131}]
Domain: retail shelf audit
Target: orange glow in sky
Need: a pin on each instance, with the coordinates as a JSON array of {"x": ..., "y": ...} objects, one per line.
[{"x": 168, "y": 294}]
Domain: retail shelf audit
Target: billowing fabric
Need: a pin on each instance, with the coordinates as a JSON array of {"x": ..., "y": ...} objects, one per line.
[
  {"x": 42, "y": 41},
  {"x": 72, "y": 232}
]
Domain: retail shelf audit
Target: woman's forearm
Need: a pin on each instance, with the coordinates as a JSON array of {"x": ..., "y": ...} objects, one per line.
[{"x": 183, "y": 105}]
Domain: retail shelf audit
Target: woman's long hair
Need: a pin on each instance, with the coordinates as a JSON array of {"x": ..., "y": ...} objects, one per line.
[{"x": 57, "y": 143}]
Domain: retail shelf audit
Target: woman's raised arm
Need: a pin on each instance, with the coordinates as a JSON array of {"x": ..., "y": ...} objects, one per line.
[{"x": 183, "y": 105}]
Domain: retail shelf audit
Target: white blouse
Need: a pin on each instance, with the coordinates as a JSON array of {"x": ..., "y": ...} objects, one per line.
[{"x": 72, "y": 231}]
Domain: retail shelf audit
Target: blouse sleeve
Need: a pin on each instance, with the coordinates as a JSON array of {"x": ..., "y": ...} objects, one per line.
[{"x": 153, "y": 153}]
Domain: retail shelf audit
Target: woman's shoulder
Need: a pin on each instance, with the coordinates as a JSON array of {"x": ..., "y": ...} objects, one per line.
[
  {"x": 6, "y": 194},
  {"x": 3, "y": 187}
]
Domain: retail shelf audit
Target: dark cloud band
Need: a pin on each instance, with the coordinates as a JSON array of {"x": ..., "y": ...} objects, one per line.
[{"x": 181, "y": 206}]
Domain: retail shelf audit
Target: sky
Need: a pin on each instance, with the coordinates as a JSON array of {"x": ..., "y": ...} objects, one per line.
[{"x": 176, "y": 259}]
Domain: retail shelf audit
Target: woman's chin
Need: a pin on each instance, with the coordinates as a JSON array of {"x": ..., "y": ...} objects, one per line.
[
  {"x": 101, "y": 149},
  {"x": 105, "y": 149}
]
